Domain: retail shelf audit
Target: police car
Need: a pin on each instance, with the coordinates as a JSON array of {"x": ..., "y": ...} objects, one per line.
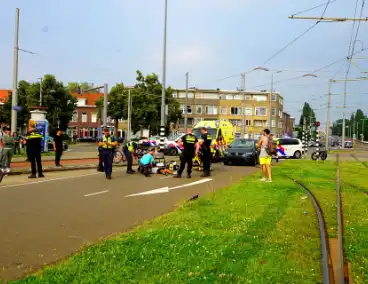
[{"x": 289, "y": 148}]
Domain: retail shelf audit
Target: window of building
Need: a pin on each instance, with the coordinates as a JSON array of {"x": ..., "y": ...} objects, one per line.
[
  {"x": 94, "y": 117},
  {"x": 183, "y": 95},
  {"x": 236, "y": 110},
  {"x": 211, "y": 110},
  {"x": 260, "y": 123},
  {"x": 280, "y": 113},
  {"x": 223, "y": 110},
  {"x": 229, "y": 97},
  {"x": 248, "y": 111},
  {"x": 84, "y": 117},
  {"x": 274, "y": 98},
  {"x": 280, "y": 124},
  {"x": 248, "y": 122},
  {"x": 260, "y": 98},
  {"x": 175, "y": 94},
  {"x": 236, "y": 122},
  {"x": 198, "y": 109},
  {"x": 238, "y": 97},
  {"x": 81, "y": 102},
  {"x": 273, "y": 112},
  {"x": 75, "y": 117},
  {"x": 248, "y": 97},
  {"x": 186, "y": 108},
  {"x": 261, "y": 111},
  {"x": 281, "y": 101},
  {"x": 273, "y": 123},
  {"x": 208, "y": 96}
]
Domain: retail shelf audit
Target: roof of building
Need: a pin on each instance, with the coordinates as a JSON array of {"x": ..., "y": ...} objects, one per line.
[
  {"x": 4, "y": 95},
  {"x": 91, "y": 98},
  {"x": 220, "y": 91}
]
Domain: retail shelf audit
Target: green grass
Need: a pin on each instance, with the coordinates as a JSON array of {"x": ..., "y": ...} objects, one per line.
[
  {"x": 252, "y": 232},
  {"x": 320, "y": 178}
]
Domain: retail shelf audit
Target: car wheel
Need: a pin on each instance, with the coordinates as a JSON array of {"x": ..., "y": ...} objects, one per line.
[
  {"x": 297, "y": 155},
  {"x": 173, "y": 152}
]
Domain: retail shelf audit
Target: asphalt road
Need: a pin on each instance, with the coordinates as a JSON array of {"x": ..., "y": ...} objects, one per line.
[{"x": 45, "y": 220}]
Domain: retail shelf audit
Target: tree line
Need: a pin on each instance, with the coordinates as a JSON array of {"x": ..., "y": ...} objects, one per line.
[
  {"x": 61, "y": 103},
  {"x": 146, "y": 97},
  {"x": 357, "y": 124}
]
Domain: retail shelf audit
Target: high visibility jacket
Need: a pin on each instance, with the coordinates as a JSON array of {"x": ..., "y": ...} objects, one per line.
[
  {"x": 106, "y": 140},
  {"x": 34, "y": 139},
  {"x": 131, "y": 146}
]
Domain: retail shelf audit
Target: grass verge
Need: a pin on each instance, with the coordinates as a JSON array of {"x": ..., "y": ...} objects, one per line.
[
  {"x": 252, "y": 232},
  {"x": 320, "y": 177}
]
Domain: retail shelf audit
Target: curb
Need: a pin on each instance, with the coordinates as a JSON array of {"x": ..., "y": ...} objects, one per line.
[{"x": 69, "y": 168}]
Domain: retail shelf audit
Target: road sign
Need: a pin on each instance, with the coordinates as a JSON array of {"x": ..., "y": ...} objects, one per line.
[{"x": 318, "y": 123}]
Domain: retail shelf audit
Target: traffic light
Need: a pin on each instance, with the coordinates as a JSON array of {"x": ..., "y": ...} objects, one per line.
[{"x": 318, "y": 123}]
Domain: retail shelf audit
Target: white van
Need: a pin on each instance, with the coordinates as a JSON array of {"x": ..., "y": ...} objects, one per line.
[{"x": 289, "y": 148}]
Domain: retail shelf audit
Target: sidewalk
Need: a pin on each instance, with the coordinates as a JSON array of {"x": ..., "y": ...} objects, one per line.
[{"x": 70, "y": 161}]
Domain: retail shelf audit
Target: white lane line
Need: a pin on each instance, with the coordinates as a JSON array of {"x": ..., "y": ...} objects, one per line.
[
  {"x": 46, "y": 180},
  {"x": 96, "y": 193},
  {"x": 168, "y": 189},
  {"x": 165, "y": 177}
]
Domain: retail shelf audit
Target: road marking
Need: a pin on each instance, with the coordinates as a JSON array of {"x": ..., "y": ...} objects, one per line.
[
  {"x": 165, "y": 177},
  {"x": 46, "y": 180},
  {"x": 96, "y": 193},
  {"x": 167, "y": 189}
]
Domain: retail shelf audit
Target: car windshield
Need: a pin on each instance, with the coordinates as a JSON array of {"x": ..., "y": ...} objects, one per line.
[
  {"x": 197, "y": 132},
  {"x": 242, "y": 143}
]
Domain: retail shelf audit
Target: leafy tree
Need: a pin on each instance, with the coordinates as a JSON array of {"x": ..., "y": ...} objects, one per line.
[
  {"x": 23, "y": 115},
  {"x": 308, "y": 116},
  {"x": 73, "y": 87}
]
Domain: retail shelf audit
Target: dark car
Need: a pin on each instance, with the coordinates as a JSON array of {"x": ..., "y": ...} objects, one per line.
[
  {"x": 50, "y": 145},
  {"x": 241, "y": 151},
  {"x": 87, "y": 139}
]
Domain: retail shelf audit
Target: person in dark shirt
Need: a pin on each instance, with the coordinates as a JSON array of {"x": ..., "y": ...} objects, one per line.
[
  {"x": 206, "y": 152},
  {"x": 191, "y": 147},
  {"x": 58, "y": 147},
  {"x": 16, "y": 143},
  {"x": 34, "y": 148}
]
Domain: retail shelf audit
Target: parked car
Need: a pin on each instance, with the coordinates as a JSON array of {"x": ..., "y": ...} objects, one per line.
[
  {"x": 348, "y": 144},
  {"x": 87, "y": 139},
  {"x": 241, "y": 151},
  {"x": 290, "y": 148},
  {"x": 50, "y": 145}
]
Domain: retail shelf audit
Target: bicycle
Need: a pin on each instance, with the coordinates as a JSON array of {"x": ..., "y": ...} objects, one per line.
[{"x": 322, "y": 155}]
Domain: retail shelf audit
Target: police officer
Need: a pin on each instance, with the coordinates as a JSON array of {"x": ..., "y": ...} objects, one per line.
[
  {"x": 191, "y": 147},
  {"x": 206, "y": 151},
  {"x": 33, "y": 142},
  {"x": 128, "y": 149},
  {"x": 100, "y": 167},
  {"x": 107, "y": 144}
]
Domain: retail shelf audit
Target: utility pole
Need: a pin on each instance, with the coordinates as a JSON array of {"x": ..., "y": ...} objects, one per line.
[
  {"x": 186, "y": 102},
  {"x": 328, "y": 114},
  {"x": 129, "y": 117},
  {"x": 244, "y": 118},
  {"x": 40, "y": 91},
  {"x": 106, "y": 93},
  {"x": 163, "y": 99},
  {"x": 15, "y": 74},
  {"x": 270, "y": 103}
]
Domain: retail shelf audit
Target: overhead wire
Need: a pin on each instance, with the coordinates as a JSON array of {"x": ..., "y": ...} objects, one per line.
[
  {"x": 315, "y": 7},
  {"x": 301, "y": 35}
]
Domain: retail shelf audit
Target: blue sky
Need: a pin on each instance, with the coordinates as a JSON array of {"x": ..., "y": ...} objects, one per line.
[{"x": 107, "y": 41}]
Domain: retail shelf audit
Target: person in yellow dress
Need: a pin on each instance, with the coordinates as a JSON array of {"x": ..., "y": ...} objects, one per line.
[{"x": 265, "y": 159}]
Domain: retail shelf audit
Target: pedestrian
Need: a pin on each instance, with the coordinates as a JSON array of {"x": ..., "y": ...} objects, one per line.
[
  {"x": 8, "y": 150},
  {"x": 191, "y": 148},
  {"x": 16, "y": 138},
  {"x": 34, "y": 149},
  {"x": 128, "y": 149},
  {"x": 206, "y": 151},
  {"x": 108, "y": 145},
  {"x": 100, "y": 167},
  {"x": 265, "y": 157},
  {"x": 58, "y": 147},
  {"x": 146, "y": 162}
]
